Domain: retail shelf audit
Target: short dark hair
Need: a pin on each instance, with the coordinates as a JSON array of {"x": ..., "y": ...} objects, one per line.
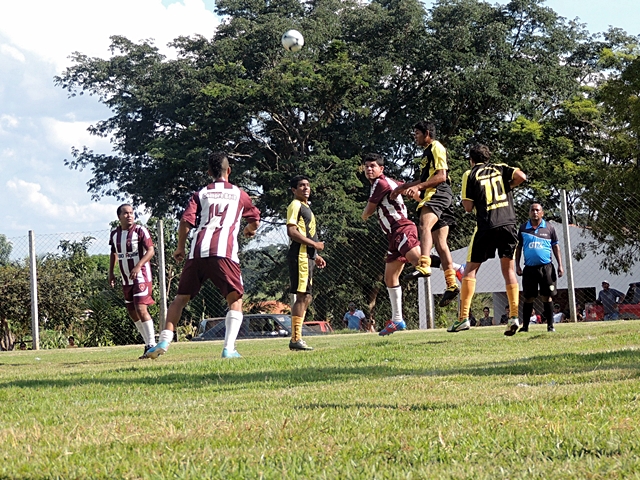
[
  {"x": 480, "y": 153},
  {"x": 216, "y": 162},
  {"x": 71, "y": 337},
  {"x": 373, "y": 157},
  {"x": 119, "y": 210},
  {"x": 426, "y": 127},
  {"x": 297, "y": 179},
  {"x": 486, "y": 308}
]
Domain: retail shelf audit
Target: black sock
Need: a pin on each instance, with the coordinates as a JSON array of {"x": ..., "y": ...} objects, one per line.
[
  {"x": 527, "y": 310},
  {"x": 435, "y": 261},
  {"x": 548, "y": 313}
]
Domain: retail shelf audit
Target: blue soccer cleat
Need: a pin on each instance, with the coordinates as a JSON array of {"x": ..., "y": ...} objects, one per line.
[
  {"x": 392, "y": 327},
  {"x": 230, "y": 353},
  {"x": 159, "y": 349}
]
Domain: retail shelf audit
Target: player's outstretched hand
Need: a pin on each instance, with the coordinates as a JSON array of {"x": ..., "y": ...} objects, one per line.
[
  {"x": 179, "y": 254},
  {"x": 320, "y": 262}
]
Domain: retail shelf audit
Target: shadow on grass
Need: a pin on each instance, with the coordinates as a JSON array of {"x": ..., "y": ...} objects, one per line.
[
  {"x": 375, "y": 406},
  {"x": 225, "y": 379}
]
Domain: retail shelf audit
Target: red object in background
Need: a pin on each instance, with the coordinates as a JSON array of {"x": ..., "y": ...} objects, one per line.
[
  {"x": 593, "y": 312},
  {"x": 628, "y": 310},
  {"x": 319, "y": 326}
]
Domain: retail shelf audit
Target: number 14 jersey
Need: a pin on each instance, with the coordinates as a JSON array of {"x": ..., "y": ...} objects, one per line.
[{"x": 487, "y": 186}]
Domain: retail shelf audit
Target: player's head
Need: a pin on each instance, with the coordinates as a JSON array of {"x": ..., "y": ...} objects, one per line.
[
  {"x": 72, "y": 340},
  {"x": 479, "y": 153},
  {"x": 126, "y": 216},
  {"x": 352, "y": 306},
  {"x": 535, "y": 211},
  {"x": 300, "y": 187},
  {"x": 424, "y": 133},
  {"x": 219, "y": 165},
  {"x": 373, "y": 165},
  {"x": 485, "y": 310}
]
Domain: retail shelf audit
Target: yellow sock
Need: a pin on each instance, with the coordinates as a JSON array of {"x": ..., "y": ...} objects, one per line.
[
  {"x": 513, "y": 294},
  {"x": 450, "y": 277},
  {"x": 296, "y": 328},
  {"x": 466, "y": 295},
  {"x": 425, "y": 261}
]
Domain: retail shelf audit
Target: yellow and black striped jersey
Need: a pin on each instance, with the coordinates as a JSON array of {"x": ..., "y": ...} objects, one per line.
[
  {"x": 300, "y": 215},
  {"x": 487, "y": 185},
  {"x": 434, "y": 158}
]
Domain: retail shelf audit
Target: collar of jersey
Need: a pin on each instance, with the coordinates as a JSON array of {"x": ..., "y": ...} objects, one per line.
[{"x": 543, "y": 224}]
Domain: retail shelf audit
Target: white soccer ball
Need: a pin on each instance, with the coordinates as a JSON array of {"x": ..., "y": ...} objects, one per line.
[{"x": 292, "y": 40}]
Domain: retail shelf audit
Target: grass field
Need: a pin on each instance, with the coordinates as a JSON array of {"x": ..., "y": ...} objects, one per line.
[{"x": 413, "y": 405}]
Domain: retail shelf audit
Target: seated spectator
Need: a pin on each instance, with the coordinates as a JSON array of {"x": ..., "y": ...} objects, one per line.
[
  {"x": 472, "y": 320},
  {"x": 504, "y": 319},
  {"x": 23, "y": 346},
  {"x": 558, "y": 316},
  {"x": 486, "y": 320},
  {"x": 580, "y": 313},
  {"x": 535, "y": 318},
  {"x": 72, "y": 342}
]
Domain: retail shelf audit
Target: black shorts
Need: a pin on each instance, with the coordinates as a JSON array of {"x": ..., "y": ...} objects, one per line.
[
  {"x": 301, "y": 273},
  {"x": 441, "y": 203},
  {"x": 543, "y": 276},
  {"x": 484, "y": 243}
]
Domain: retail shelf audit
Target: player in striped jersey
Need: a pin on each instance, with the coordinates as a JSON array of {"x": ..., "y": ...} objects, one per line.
[
  {"x": 132, "y": 249},
  {"x": 215, "y": 212},
  {"x": 402, "y": 235}
]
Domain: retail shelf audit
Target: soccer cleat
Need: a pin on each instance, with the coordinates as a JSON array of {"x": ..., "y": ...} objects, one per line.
[
  {"x": 459, "y": 325},
  {"x": 449, "y": 295},
  {"x": 460, "y": 272},
  {"x": 299, "y": 345},
  {"x": 419, "y": 272},
  {"x": 551, "y": 329},
  {"x": 144, "y": 355},
  {"x": 159, "y": 349},
  {"x": 392, "y": 327},
  {"x": 512, "y": 327},
  {"x": 230, "y": 354}
]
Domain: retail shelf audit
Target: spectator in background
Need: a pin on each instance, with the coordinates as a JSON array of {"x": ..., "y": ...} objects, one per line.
[
  {"x": 580, "y": 313},
  {"x": 353, "y": 319},
  {"x": 534, "y": 318},
  {"x": 486, "y": 320},
  {"x": 610, "y": 298},
  {"x": 635, "y": 293},
  {"x": 472, "y": 319},
  {"x": 504, "y": 319},
  {"x": 558, "y": 316},
  {"x": 23, "y": 346},
  {"x": 72, "y": 342}
]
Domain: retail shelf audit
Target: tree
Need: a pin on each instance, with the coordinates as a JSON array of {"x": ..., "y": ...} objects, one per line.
[{"x": 5, "y": 250}]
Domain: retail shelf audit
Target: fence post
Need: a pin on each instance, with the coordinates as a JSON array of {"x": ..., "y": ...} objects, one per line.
[
  {"x": 425, "y": 304},
  {"x": 568, "y": 258},
  {"x": 33, "y": 278},
  {"x": 162, "y": 278}
]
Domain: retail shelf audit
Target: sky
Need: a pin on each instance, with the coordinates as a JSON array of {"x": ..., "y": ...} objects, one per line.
[{"x": 39, "y": 124}]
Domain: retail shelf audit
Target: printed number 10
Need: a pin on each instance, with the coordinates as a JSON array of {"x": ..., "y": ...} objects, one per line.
[{"x": 494, "y": 189}]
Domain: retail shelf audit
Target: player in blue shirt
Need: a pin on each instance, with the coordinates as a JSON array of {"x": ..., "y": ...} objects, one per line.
[{"x": 537, "y": 239}]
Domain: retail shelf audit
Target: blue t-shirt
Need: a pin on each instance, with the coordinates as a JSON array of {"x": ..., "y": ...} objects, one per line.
[
  {"x": 353, "y": 319},
  {"x": 537, "y": 243}
]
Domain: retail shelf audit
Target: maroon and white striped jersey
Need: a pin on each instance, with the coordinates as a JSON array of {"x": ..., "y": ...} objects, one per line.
[
  {"x": 216, "y": 211},
  {"x": 130, "y": 246},
  {"x": 391, "y": 213}
]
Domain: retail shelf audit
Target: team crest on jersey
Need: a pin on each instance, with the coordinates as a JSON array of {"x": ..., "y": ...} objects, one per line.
[{"x": 141, "y": 287}]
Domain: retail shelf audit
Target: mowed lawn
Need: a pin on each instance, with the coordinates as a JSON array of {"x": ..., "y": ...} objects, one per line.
[{"x": 416, "y": 405}]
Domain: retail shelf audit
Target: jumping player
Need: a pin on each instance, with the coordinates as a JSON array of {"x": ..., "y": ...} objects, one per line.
[
  {"x": 215, "y": 211},
  {"x": 302, "y": 256},
  {"x": 132, "y": 248},
  {"x": 487, "y": 188},
  {"x": 435, "y": 207}
]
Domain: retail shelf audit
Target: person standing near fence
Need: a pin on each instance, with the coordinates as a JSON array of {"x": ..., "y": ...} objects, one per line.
[
  {"x": 132, "y": 248},
  {"x": 610, "y": 299},
  {"x": 215, "y": 211},
  {"x": 537, "y": 239},
  {"x": 487, "y": 187},
  {"x": 435, "y": 207},
  {"x": 302, "y": 257}
]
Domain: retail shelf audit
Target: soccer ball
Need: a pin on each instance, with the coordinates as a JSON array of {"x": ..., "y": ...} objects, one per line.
[{"x": 292, "y": 40}]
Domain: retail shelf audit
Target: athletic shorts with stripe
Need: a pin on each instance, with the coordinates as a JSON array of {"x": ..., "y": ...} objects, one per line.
[
  {"x": 223, "y": 272},
  {"x": 441, "y": 203},
  {"x": 301, "y": 273},
  {"x": 539, "y": 275},
  {"x": 401, "y": 241},
  {"x": 484, "y": 243},
  {"x": 138, "y": 294}
]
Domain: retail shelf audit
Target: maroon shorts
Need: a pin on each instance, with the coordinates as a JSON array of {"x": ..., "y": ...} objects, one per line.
[
  {"x": 223, "y": 272},
  {"x": 401, "y": 241},
  {"x": 138, "y": 293}
]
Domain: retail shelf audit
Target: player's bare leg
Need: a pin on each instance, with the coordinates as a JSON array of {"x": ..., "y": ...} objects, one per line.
[
  {"x": 174, "y": 312},
  {"x": 440, "y": 241},
  {"x": 466, "y": 295},
  {"x": 427, "y": 220}
]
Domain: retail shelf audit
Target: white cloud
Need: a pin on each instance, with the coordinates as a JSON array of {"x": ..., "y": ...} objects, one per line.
[
  {"x": 66, "y": 26},
  {"x": 65, "y": 135},
  {"x": 12, "y": 52}
]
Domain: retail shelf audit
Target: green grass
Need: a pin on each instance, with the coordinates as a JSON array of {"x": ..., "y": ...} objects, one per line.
[{"x": 413, "y": 405}]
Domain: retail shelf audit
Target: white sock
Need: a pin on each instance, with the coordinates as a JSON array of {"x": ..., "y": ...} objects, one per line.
[
  {"x": 138, "y": 325},
  {"x": 149, "y": 333},
  {"x": 232, "y": 323},
  {"x": 395, "y": 296},
  {"x": 166, "y": 336}
]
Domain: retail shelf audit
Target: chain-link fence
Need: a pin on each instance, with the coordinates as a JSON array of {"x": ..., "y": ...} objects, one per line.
[{"x": 597, "y": 236}]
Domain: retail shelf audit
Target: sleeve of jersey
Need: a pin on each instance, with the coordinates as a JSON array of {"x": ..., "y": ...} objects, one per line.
[
  {"x": 520, "y": 237},
  {"x": 250, "y": 211},
  {"x": 380, "y": 189},
  {"x": 465, "y": 185},
  {"x": 439, "y": 156},
  {"x": 145, "y": 237},
  {"x": 113, "y": 247},
  {"x": 292, "y": 213},
  {"x": 507, "y": 175},
  {"x": 554, "y": 236},
  {"x": 191, "y": 212}
]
